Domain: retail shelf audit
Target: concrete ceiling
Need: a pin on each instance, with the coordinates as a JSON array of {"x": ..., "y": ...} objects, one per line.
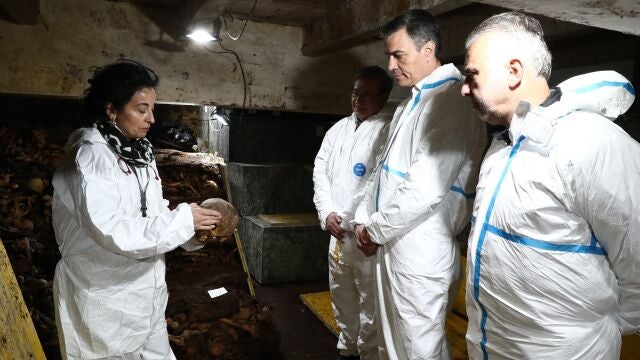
[
  {"x": 282, "y": 12},
  {"x": 617, "y": 15},
  {"x": 332, "y": 25}
]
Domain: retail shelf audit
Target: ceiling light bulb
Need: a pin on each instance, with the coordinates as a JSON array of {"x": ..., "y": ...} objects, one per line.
[{"x": 201, "y": 36}]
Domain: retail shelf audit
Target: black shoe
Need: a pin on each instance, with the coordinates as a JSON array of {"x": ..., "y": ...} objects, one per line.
[{"x": 342, "y": 357}]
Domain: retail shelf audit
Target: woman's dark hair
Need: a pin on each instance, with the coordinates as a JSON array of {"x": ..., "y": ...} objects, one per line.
[
  {"x": 421, "y": 27},
  {"x": 116, "y": 84}
]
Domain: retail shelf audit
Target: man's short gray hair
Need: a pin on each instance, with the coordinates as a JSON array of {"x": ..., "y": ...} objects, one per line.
[{"x": 528, "y": 33}]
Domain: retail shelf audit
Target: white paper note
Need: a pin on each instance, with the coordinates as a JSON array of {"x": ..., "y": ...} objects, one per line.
[{"x": 217, "y": 292}]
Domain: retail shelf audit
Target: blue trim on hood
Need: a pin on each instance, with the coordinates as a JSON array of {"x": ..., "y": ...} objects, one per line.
[{"x": 627, "y": 86}]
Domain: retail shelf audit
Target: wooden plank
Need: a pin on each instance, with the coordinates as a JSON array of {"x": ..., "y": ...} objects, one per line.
[
  {"x": 320, "y": 305},
  {"x": 456, "y": 331},
  {"x": 19, "y": 340}
]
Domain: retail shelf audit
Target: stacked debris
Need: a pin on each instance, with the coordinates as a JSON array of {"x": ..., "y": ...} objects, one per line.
[
  {"x": 229, "y": 326},
  {"x": 27, "y": 162},
  {"x": 189, "y": 177}
]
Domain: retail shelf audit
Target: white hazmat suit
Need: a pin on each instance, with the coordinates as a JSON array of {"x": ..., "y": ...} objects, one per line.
[
  {"x": 554, "y": 255},
  {"x": 109, "y": 287},
  {"x": 345, "y": 160},
  {"x": 415, "y": 204}
]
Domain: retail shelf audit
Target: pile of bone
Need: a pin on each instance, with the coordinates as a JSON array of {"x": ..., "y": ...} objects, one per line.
[{"x": 27, "y": 162}]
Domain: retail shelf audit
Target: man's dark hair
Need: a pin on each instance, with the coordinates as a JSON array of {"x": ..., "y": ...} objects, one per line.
[
  {"x": 377, "y": 73},
  {"x": 116, "y": 84},
  {"x": 421, "y": 27}
]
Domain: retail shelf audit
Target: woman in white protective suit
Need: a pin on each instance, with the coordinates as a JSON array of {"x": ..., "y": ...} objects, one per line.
[
  {"x": 553, "y": 267},
  {"x": 113, "y": 226}
]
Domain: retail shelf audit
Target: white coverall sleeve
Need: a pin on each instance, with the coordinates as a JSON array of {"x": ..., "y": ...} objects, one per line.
[
  {"x": 97, "y": 209},
  {"x": 193, "y": 244},
  {"x": 321, "y": 182},
  {"x": 443, "y": 150},
  {"x": 603, "y": 175}
]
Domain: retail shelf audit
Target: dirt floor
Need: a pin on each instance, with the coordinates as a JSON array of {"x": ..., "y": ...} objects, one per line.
[{"x": 302, "y": 334}]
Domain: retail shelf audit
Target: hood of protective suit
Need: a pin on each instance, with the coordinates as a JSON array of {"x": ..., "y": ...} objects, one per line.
[
  {"x": 604, "y": 93},
  {"x": 81, "y": 135}
]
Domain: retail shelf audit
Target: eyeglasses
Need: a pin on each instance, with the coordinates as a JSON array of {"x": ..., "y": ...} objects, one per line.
[{"x": 362, "y": 96}]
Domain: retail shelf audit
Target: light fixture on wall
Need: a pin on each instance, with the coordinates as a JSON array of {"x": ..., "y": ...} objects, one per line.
[
  {"x": 215, "y": 131},
  {"x": 219, "y": 115},
  {"x": 201, "y": 34}
]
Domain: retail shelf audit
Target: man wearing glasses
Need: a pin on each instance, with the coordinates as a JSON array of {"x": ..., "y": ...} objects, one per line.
[{"x": 343, "y": 164}]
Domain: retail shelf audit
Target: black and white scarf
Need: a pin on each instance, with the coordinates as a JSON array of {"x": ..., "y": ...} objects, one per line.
[{"x": 137, "y": 152}]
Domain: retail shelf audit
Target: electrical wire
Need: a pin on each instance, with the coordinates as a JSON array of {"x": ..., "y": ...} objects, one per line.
[
  {"x": 244, "y": 79},
  {"x": 227, "y": 18},
  {"x": 253, "y": 8}
]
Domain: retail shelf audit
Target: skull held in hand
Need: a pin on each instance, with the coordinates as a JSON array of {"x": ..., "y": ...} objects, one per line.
[{"x": 227, "y": 224}]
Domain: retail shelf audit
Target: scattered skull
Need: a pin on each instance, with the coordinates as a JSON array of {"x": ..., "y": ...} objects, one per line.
[{"x": 226, "y": 226}]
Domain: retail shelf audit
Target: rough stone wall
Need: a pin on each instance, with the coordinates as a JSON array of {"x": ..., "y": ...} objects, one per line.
[{"x": 54, "y": 58}]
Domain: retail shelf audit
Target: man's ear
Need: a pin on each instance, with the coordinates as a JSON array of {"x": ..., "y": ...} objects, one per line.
[
  {"x": 429, "y": 50},
  {"x": 516, "y": 73}
]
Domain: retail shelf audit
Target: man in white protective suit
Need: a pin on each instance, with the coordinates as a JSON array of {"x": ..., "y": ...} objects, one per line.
[
  {"x": 419, "y": 197},
  {"x": 554, "y": 254},
  {"x": 344, "y": 162}
]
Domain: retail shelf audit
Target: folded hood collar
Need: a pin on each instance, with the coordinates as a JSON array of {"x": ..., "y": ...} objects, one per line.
[
  {"x": 81, "y": 135},
  {"x": 605, "y": 93}
]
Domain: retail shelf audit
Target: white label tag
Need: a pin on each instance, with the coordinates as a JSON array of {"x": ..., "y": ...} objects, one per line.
[{"x": 217, "y": 292}]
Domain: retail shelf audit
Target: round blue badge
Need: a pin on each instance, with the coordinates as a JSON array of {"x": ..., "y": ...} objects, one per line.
[{"x": 359, "y": 169}]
